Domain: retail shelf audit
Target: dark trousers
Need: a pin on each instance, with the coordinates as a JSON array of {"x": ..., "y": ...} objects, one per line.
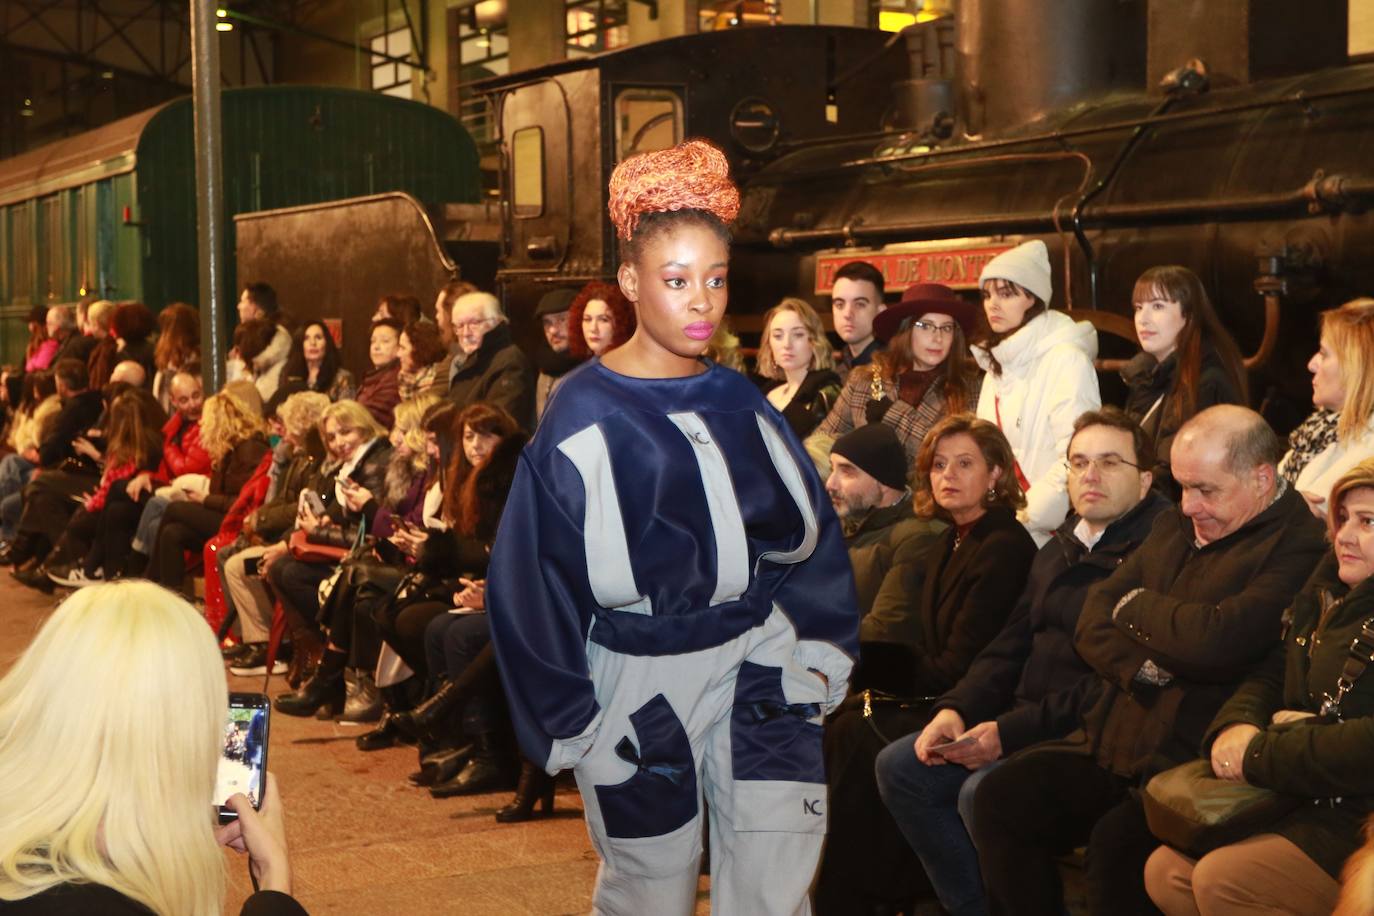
[
  {"x": 453, "y": 642},
  {"x": 297, "y": 584},
  {"x": 185, "y": 526},
  {"x": 867, "y": 863},
  {"x": 1044, "y": 804},
  {"x": 50, "y": 500},
  {"x": 115, "y": 533},
  {"x": 404, "y": 631}
]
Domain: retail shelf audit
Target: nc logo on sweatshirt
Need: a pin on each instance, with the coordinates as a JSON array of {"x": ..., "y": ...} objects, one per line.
[{"x": 812, "y": 806}]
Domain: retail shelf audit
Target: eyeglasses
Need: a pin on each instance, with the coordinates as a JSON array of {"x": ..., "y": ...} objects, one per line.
[
  {"x": 940, "y": 330},
  {"x": 472, "y": 324},
  {"x": 1078, "y": 465}
]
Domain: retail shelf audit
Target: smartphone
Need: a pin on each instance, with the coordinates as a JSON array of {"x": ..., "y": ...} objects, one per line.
[
  {"x": 243, "y": 758},
  {"x": 251, "y": 566},
  {"x": 967, "y": 741},
  {"x": 312, "y": 499}
]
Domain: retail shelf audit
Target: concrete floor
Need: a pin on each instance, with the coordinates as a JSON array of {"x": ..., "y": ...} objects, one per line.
[{"x": 364, "y": 841}]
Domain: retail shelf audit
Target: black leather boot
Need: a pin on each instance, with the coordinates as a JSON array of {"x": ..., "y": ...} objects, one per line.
[
  {"x": 33, "y": 574},
  {"x": 18, "y": 551},
  {"x": 441, "y": 766},
  {"x": 535, "y": 786},
  {"x": 483, "y": 772},
  {"x": 325, "y": 689},
  {"x": 421, "y": 722}
]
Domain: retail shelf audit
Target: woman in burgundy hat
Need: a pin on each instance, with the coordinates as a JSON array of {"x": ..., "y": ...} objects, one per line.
[{"x": 924, "y": 373}]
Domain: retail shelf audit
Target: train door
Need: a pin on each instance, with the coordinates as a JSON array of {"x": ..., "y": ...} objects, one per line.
[{"x": 537, "y": 145}]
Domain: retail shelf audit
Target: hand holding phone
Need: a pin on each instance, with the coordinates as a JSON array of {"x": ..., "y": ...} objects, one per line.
[
  {"x": 943, "y": 748},
  {"x": 243, "y": 760}
]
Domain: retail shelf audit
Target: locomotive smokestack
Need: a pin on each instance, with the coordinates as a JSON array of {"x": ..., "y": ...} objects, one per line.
[
  {"x": 1018, "y": 60},
  {"x": 1245, "y": 40}
]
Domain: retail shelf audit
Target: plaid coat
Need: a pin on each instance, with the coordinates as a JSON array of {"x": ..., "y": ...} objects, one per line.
[{"x": 910, "y": 423}]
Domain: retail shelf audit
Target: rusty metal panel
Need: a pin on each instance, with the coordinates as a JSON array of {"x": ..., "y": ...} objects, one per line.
[{"x": 335, "y": 260}]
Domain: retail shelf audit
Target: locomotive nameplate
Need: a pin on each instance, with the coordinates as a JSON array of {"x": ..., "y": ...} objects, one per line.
[{"x": 955, "y": 262}]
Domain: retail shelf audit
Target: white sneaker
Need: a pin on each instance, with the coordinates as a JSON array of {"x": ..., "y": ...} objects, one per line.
[
  {"x": 77, "y": 578},
  {"x": 258, "y": 666}
]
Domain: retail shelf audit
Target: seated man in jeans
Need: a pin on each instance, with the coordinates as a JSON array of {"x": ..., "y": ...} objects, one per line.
[
  {"x": 1170, "y": 634},
  {"x": 1023, "y": 687}
]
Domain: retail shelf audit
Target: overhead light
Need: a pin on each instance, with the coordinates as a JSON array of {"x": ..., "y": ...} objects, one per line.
[
  {"x": 221, "y": 12},
  {"x": 484, "y": 42},
  {"x": 107, "y": 74},
  {"x": 224, "y": 25}
]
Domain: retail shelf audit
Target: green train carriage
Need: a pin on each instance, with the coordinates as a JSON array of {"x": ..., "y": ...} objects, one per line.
[{"x": 112, "y": 212}]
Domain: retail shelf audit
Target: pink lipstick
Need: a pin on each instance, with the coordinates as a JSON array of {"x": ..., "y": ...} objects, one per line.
[{"x": 699, "y": 330}]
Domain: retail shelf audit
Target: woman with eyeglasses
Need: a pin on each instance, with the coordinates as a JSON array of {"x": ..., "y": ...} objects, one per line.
[
  {"x": 924, "y": 373},
  {"x": 1187, "y": 360}
]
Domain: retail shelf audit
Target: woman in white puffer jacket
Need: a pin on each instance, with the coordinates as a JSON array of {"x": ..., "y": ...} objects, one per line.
[{"x": 1039, "y": 378}]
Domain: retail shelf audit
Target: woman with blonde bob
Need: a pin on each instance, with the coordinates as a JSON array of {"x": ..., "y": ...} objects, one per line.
[
  {"x": 1342, "y": 386},
  {"x": 795, "y": 367},
  {"x": 358, "y": 456},
  {"x": 965, "y": 476},
  {"x": 110, "y": 732}
]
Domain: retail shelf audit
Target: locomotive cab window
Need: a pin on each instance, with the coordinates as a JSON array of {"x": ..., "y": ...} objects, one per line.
[
  {"x": 646, "y": 120},
  {"x": 527, "y": 172}
]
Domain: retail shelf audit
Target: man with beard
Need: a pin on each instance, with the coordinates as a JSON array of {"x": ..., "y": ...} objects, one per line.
[
  {"x": 552, "y": 360},
  {"x": 887, "y": 542}
]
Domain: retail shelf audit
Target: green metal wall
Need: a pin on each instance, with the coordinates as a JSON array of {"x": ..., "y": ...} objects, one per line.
[{"x": 283, "y": 146}]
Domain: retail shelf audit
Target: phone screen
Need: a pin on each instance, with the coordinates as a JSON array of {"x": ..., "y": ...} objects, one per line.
[{"x": 243, "y": 758}]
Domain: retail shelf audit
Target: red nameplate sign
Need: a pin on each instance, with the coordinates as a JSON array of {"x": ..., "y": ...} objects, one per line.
[{"x": 957, "y": 267}]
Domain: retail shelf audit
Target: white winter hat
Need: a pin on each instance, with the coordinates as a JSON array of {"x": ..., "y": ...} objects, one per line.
[{"x": 1027, "y": 265}]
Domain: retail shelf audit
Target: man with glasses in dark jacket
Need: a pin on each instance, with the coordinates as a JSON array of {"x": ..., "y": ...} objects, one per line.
[
  {"x": 1027, "y": 684},
  {"x": 1171, "y": 634}
]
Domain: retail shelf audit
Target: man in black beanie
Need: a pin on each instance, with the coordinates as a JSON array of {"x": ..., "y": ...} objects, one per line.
[
  {"x": 552, "y": 358},
  {"x": 887, "y": 543}
]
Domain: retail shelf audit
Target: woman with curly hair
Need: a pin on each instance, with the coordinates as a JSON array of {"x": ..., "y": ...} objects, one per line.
[
  {"x": 236, "y": 440},
  {"x": 657, "y": 524},
  {"x": 600, "y": 319},
  {"x": 796, "y": 366},
  {"x": 178, "y": 346},
  {"x": 423, "y": 360}
]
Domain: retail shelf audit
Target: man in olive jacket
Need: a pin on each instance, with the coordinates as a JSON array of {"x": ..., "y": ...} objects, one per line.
[
  {"x": 888, "y": 544},
  {"x": 1171, "y": 634}
]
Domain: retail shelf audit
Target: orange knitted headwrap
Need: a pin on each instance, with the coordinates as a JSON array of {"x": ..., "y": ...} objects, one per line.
[{"x": 690, "y": 176}]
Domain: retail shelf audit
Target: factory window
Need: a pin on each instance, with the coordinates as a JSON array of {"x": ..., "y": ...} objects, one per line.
[
  {"x": 527, "y": 172},
  {"x": 596, "y": 25},
  {"x": 646, "y": 119},
  {"x": 477, "y": 38},
  {"x": 388, "y": 76}
]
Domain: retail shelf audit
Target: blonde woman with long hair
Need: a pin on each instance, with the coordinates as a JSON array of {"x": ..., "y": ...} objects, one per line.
[
  {"x": 110, "y": 732},
  {"x": 237, "y": 442},
  {"x": 796, "y": 365},
  {"x": 399, "y": 504}
]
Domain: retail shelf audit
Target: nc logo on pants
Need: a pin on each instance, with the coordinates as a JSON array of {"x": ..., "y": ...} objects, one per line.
[{"x": 812, "y": 806}]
